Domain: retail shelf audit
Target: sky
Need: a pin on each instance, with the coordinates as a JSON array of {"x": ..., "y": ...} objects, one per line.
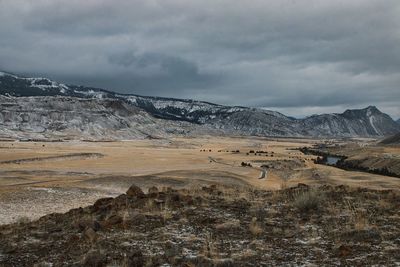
[{"x": 297, "y": 57}]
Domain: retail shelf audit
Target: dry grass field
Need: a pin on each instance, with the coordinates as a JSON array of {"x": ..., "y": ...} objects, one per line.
[{"x": 39, "y": 178}]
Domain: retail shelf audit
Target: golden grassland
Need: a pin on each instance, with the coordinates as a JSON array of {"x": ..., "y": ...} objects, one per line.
[{"x": 41, "y": 184}]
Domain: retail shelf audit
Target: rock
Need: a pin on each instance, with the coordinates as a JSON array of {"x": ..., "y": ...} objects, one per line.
[
  {"x": 96, "y": 226},
  {"x": 113, "y": 220},
  {"x": 94, "y": 258},
  {"x": 84, "y": 224},
  {"x": 175, "y": 197},
  {"x": 120, "y": 201},
  {"x": 153, "y": 191},
  {"x": 159, "y": 201},
  {"x": 90, "y": 235},
  {"x": 187, "y": 199},
  {"x": 344, "y": 251},
  {"x": 302, "y": 186},
  {"x": 102, "y": 204},
  {"x": 135, "y": 191},
  {"x": 137, "y": 218}
]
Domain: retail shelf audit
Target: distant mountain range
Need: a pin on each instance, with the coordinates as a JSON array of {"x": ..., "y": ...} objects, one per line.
[{"x": 42, "y": 108}]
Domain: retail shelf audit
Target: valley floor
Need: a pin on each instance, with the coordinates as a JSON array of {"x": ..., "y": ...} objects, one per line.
[{"x": 37, "y": 178}]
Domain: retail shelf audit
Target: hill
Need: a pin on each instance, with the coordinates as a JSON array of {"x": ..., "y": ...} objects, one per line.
[
  {"x": 212, "y": 226},
  {"x": 392, "y": 140}
]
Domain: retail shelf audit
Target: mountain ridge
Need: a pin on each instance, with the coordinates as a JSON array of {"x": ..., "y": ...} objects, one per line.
[{"x": 186, "y": 116}]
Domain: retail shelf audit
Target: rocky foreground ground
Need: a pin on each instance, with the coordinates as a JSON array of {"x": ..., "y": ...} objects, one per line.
[{"x": 215, "y": 226}]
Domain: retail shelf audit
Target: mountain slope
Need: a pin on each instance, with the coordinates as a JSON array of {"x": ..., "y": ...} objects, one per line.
[
  {"x": 357, "y": 122},
  {"x": 169, "y": 115},
  {"x": 13, "y": 85},
  {"x": 392, "y": 140},
  {"x": 56, "y": 117}
]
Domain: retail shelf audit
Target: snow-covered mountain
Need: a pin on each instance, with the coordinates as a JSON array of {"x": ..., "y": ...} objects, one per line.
[
  {"x": 13, "y": 85},
  {"x": 42, "y": 107}
]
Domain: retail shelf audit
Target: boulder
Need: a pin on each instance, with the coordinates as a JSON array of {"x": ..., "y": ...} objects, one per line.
[
  {"x": 113, "y": 220},
  {"x": 153, "y": 191},
  {"x": 90, "y": 235},
  {"x": 135, "y": 191},
  {"x": 102, "y": 204}
]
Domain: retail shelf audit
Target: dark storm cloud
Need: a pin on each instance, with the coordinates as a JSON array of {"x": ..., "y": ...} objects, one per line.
[{"x": 299, "y": 57}]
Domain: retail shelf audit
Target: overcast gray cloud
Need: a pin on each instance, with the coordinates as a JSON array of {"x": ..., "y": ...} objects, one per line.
[{"x": 298, "y": 57}]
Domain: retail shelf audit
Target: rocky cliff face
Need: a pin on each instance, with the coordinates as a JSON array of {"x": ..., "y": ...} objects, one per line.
[
  {"x": 39, "y": 106},
  {"x": 58, "y": 117}
]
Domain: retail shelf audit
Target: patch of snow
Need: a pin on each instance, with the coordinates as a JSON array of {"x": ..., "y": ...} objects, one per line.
[
  {"x": 63, "y": 86},
  {"x": 371, "y": 121},
  {"x": 48, "y": 190},
  {"x": 91, "y": 93},
  {"x": 7, "y": 74}
]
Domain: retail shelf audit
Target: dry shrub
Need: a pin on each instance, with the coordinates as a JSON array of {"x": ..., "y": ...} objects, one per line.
[
  {"x": 361, "y": 222},
  {"x": 307, "y": 201},
  {"x": 284, "y": 185},
  {"x": 255, "y": 227},
  {"x": 209, "y": 249},
  {"x": 226, "y": 226},
  {"x": 384, "y": 204},
  {"x": 359, "y": 217},
  {"x": 166, "y": 214},
  {"x": 150, "y": 206},
  {"x": 23, "y": 220}
]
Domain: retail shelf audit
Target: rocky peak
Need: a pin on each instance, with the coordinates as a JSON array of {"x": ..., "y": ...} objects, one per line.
[
  {"x": 362, "y": 113},
  {"x": 372, "y": 110}
]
